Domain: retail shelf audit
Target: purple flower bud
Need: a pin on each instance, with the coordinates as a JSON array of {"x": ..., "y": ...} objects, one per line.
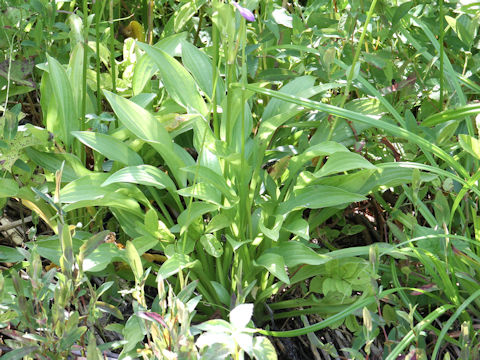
[{"x": 247, "y": 14}]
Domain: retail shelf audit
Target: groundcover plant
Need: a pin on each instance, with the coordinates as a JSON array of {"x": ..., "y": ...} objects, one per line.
[{"x": 258, "y": 179}]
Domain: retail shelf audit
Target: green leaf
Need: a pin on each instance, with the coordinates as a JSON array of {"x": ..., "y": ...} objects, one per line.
[
  {"x": 208, "y": 175},
  {"x": 178, "y": 82},
  {"x": 185, "y": 13},
  {"x": 322, "y": 149},
  {"x": 211, "y": 245},
  {"x": 144, "y": 175},
  {"x": 295, "y": 253},
  {"x": 470, "y": 145},
  {"x": 275, "y": 264},
  {"x": 19, "y": 354},
  {"x": 343, "y": 161},
  {"x": 146, "y": 67},
  {"x": 222, "y": 293},
  {"x": 144, "y": 125},
  {"x": 316, "y": 197},
  {"x": 10, "y": 254},
  {"x": 133, "y": 332},
  {"x": 109, "y": 309},
  {"x": 101, "y": 257},
  {"x": 194, "y": 211},
  {"x": 72, "y": 170},
  {"x": 199, "y": 64},
  {"x": 66, "y": 260},
  {"x": 109, "y": 147},
  {"x": 91, "y": 244},
  {"x": 8, "y": 188},
  {"x": 202, "y": 191},
  {"x": 71, "y": 337},
  {"x": 452, "y": 114},
  {"x": 134, "y": 261},
  {"x": 174, "y": 264},
  {"x": 62, "y": 91}
]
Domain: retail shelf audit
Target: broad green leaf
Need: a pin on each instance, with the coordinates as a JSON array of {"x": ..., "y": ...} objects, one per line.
[
  {"x": 202, "y": 191},
  {"x": 134, "y": 261},
  {"x": 144, "y": 125},
  {"x": 8, "y": 188},
  {"x": 174, "y": 264},
  {"x": 194, "y": 211},
  {"x": 208, "y": 175},
  {"x": 62, "y": 91},
  {"x": 295, "y": 253},
  {"x": 316, "y": 197},
  {"x": 220, "y": 221},
  {"x": 211, "y": 245},
  {"x": 178, "y": 81},
  {"x": 19, "y": 354},
  {"x": 133, "y": 332},
  {"x": 72, "y": 170},
  {"x": 87, "y": 191},
  {"x": 343, "y": 161},
  {"x": 109, "y": 147},
  {"x": 325, "y": 148},
  {"x": 222, "y": 293},
  {"x": 298, "y": 226},
  {"x": 10, "y": 254},
  {"x": 146, "y": 67},
  {"x": 276, "y": 106},
  {"x": 470, "y": 145},
  {"x": 142, "y": 174},
  {"x": 101, "y": 257},
  {"x": 275, "y": 264},
  {"x": 200, "y": 65}
]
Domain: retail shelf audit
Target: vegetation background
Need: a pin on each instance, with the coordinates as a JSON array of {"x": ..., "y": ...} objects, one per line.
[{"x": 220, "y": 180}]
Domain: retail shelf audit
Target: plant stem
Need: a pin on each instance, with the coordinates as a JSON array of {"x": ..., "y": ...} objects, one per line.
[{"x": 353, "y": 66}]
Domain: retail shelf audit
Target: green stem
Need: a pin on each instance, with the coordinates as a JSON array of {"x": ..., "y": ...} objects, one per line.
[
  {"x": 352, "y": 67},
  {"x": 442, "y": 33},
  {"x": 112, "y": 49},
  {"x": 98, "y": 15}
]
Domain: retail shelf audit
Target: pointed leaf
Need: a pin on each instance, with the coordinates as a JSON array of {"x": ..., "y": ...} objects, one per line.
[
  {"x": 109, "y": 147},
  {"x": 275, "y": 264},
  {"x": 178, "y": 81}
]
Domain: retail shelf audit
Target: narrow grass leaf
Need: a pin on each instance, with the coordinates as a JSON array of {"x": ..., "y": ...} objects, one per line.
[
  {"x": 452, "y": 114},
  {"x": 364, "y": 119},
  {"x": 412, "y": 334}
]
